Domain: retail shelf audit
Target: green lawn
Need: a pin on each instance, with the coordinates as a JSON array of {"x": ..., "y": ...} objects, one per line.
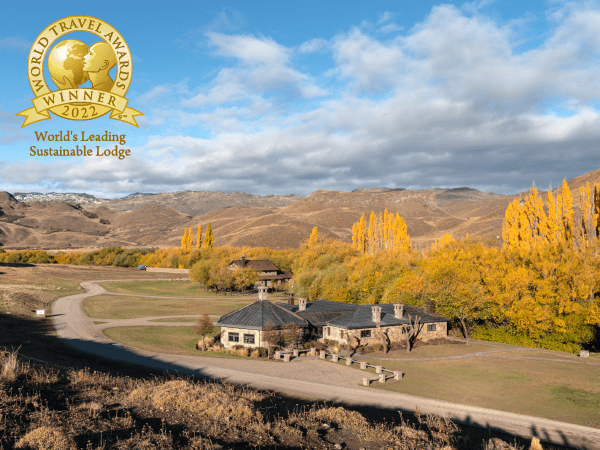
[
  {"x": 125, "y": 307},
  {"x": 161, "y": 287},
  {"x": 173, "y": 340},
  {"x": 556, "y": 390}
]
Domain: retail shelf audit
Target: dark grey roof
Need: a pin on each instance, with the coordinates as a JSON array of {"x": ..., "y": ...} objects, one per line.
[
  {"x": 321, "y": 318},
  {"x": 362, "y": 317},
  {"x": 319, "y": 312},
  {"x": 320, "y": 306},
  {"x": 259, "y": 314},
  {"x": 260, "y": 265}
]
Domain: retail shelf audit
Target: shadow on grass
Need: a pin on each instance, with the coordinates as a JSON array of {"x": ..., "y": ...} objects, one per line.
[
  {"x": 4, "y": 264},
  {"x": 37, "y": 339}
]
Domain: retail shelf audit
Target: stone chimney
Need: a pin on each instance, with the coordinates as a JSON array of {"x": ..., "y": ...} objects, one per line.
[
  {"x": 301, "y": 304},
  {"x": 290, "y": 296},
  {"x": 376, "y": 313},
  {"x": 243, "y": 261},
  {"x": 398, "y": 310},
  {"x": 262, "y": 292}
]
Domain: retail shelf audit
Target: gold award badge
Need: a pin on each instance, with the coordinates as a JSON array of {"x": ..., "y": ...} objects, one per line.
[{"x": 70, "y": 64}]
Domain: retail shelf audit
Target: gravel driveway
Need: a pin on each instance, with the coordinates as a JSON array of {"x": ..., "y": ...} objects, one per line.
[{"x": 305, "y": 377}]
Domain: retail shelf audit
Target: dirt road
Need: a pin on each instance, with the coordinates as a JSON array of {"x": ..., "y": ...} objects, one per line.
[{"x": 308, "y": 378}]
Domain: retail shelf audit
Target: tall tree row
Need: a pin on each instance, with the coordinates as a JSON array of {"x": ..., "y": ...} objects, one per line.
[
  {"x": 528, "y": 226},
  {"x": 384, "y": 233},
  {"x": 187, "y": 241}
]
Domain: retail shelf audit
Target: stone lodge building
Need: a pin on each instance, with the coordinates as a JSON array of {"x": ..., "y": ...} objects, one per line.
[{"x": 324, "y": 319}]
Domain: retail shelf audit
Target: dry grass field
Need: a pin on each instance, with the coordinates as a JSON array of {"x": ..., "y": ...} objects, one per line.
[
  {"x": 56, "y": 397},
  {"x": 25, "y": 288},
  {"x": 538, "y": 383},
  {"x": 46, "y": 408},
  {"x": 554, "y": 386}
]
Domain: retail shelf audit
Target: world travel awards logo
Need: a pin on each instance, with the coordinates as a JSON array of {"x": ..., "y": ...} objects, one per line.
[{"x": 70, "y": 64}]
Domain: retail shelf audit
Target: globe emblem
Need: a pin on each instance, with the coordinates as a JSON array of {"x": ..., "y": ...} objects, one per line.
[{"x": 65, "y": 64}]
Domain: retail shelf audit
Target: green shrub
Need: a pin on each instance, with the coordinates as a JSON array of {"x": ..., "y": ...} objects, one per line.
[
  {"x": 507, "y": 335},
  {"x": 14, "y": 258},
  {"x": 88, "y": 258}
]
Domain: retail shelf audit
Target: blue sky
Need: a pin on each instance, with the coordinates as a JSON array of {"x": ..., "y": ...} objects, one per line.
[{"x": 282, "y": 97}]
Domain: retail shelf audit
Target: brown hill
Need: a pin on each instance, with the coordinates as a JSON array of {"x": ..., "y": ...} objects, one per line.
[
  {"x": 243, "y": 219},
  {"x": 334, "y": 213},
  {"x": 201, "y": 202}
]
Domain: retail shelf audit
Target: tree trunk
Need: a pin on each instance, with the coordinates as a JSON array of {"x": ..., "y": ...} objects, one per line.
[
  {"x": 203, "y": 348},
  {"x": 462, "y": 321}
]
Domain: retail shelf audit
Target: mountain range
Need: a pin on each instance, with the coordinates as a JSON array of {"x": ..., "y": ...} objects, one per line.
[{"x": 238, "y": 219}]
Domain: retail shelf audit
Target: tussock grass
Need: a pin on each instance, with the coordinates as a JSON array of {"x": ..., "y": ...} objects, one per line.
[
  {"x": 42, "y": 408},
  {"x": 46, "y": 438},
  {"x": 10, "y": 365}
]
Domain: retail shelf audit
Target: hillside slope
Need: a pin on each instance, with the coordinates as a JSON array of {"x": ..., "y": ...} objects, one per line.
[{"x": 244, "y": 219}]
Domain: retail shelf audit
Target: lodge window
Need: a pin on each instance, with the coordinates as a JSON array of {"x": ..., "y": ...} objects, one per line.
[
  {"x": 233, "y": 337},
  {"x": 248, "y": 339},
  {"x": 431, "y": 327},
  {"x": 327, "y": 331},
  {"x": 365, "y": 333}
]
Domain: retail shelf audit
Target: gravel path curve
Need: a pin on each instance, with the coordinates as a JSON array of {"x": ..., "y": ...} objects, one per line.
[{"x": 305, "y": 377}]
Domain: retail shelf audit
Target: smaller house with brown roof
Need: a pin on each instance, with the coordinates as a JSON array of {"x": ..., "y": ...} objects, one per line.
[{"x": 269, "y": 272}]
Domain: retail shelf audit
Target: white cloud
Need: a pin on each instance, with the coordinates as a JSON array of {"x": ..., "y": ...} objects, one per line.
[
  {"x": 371, "y": 64},
  {"x": 153, "y": 94},
  {"x": 16, "y": 43},
  {"x": 262, "y": 67},
  {"x": 450, "y": 102},
  {"x": 313, "y": 46},
  {"x": 385, "y": 17}
]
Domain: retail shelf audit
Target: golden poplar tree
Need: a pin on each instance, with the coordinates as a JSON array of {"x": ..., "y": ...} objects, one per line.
[
  {"x": 589, "y": 204},
  {"x": 199, "y": 238},
  {"x": 385, "y": 233},
  {"x": 510, "y": 226},
  {"x": 380, "y": 241},
  {"x": 527, "y": 226},
  {"x": 371, "y": 232},
  {"x": 184, "y": 239},
  {"x": 189, "y": 239},
  {"x": 567, "y": 211},
  {"x": 401, "y": 234},
  {"x": 314, "y": 237},
  {"x": 362, "y": 233},
  {"x": 554, "y": 225},
  {"x": 208, "y": 238}
]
